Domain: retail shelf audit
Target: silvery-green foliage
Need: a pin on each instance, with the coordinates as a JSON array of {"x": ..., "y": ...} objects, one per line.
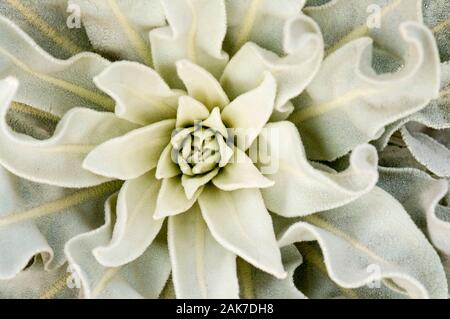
[
  {"x": 121, "y": 178},
  {"x": 426, "y": 133},
  {"x": 54, "y": 25}
]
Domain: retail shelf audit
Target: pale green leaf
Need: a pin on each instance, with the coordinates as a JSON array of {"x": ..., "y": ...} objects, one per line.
[
  {"x": 145, "y": 277},
  {"x": 53, "y": 24},
  {"x": 249, "y": 112},
  {"x": 172, "y": 198},
  {"x": 373, "y": 238},
  {"x": 240, "y": 222},
  {"x": 131, "y": 155},
  {"x": 269, "y": 287},
  {"x": 301, "y": 187},
  {"x": 420, "y": 194},
  {"x": 135, "y": 228},
  {"x": 437, "y": 16},
  {"x": 58, "y": 159},
  {"x": 120, "y": 28},
  {"x": 293, "y": 68},
  {"x": 196, "y": 31},
  {"x": 201, "y": 267},
  {"x": 201, "y": 85},
  {"x": 66, "y": 83},
  {"x": 37, "y": 219},
  {"x": 348, "y": 104},
  {"x": 36, "y": 283}
]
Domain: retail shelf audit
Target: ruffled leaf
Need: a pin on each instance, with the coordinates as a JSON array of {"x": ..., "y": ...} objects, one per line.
[
  {"x": 293, "y": 68},
  {"x": 300, "y": 187},
  {"x": 51, "y": 23},
  {"x": 348, "y": 104},
  {"x": 196, "y": 31},
  {"x": 145, "y": 277},
  {"x": 418, "y": 129},
  {"x": 359, "y": 18},
  {"x": 269, "y": 287},
  {"x": 420, "y": 195},
  {"x": 260, "y": 21},
  {"x": 120, "y": 28},
  {"x": 37, "y": 219},
  {"x": 67, "y": 83},
  {"x": 57, "y": 160},
  {"x": 373, "y": 238},
  {"x": 141, "y": 95},
  {"x": 437, "y": 16}
]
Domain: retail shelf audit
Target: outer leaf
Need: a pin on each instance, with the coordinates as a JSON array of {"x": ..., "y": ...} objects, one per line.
[
  {"x": 269, "y": 287},
  {"x": 300, "y": 187},
  {"x": 437, "y": 17},
  {"x": 120, "y": 28},
  {"x": 359, "y": 103},
  {"x": 34, "y": 282},
  {"x": 374, "y": 232},
  {"x": 201, "y": 267},
  {"x": 36, "y": 219},
  {"x": 420, "y": 195},
  {"x": 69, "y": 81},
  {"x": 196, "y": 31},
  {"x": 57, "y": 160},
  {"x": 135, "y": 229},
  {"x": 49, "y": 23},
  {"x": 260, "y": 21},
  {"x": 313, "y": 280},
  {"x": 143, "y": 278},
  {"x": 239, "y": 221},
  {"x": 357, "y": 20},
  {"x": 418, "y": 130}
]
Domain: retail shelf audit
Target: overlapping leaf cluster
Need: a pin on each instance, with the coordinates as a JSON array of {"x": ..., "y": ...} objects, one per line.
[{"x": 358, "y": 205}]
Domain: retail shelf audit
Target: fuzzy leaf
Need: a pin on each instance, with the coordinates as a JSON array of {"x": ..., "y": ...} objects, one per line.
[
  {"x": 69, "y": 81},
  {"x": 196, "y": 31},
  {"x": 202, "y": 268},
  {"x": 418, "y": 130},
  {"x": 37, "y": 219},
  {"x": 145, "y": 277},
  {"x": 420, "y": 195},
  {"x": 374, "y": 238},
  {"x": 299, "y": 186},
  {"x": 135, "y": 228},
  {"x": 120, "y": 28},
  {"x": 51, "y": 23},
  {"x": 231, "y": 217},
  {"x": 293, "y": 66},
  {"x": 36, "y": 283},
  {"x": 57, "y": 160},
  {"x": 349, "y": 104}
]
